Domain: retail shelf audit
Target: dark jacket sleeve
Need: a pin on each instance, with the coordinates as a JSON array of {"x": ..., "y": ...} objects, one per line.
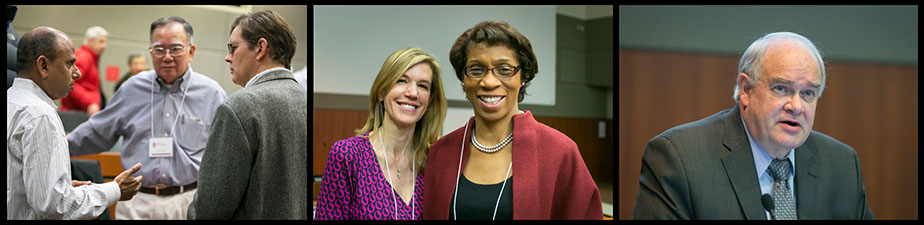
[
  {"x": 226, "y": 164},
  {"x": 663, "y": 192},
  {"x": 865, "y": 213}
]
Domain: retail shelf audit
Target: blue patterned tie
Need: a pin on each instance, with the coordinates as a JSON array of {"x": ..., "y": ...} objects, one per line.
[{"x": 784, "y": 209}]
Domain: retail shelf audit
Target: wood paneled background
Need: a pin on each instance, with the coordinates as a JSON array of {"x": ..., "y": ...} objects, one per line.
[
  {"x": 871, "y": 107},
  {"x": 332, "y": 125}
]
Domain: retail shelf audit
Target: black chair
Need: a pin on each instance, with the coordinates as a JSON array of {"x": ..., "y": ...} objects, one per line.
[{"x": 89, "y": 170}]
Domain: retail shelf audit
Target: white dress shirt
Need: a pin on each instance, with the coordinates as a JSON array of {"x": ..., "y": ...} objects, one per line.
[
  {"x": 38, "y": 176},
  {"x": 255, "y": 77}
]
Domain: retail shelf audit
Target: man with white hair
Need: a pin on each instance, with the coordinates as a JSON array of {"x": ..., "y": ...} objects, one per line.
[
  {"x": 740, "y": 163},
  {"x": 86, "y": 95}
]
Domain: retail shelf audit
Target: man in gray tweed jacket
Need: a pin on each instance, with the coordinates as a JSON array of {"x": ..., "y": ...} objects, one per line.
[{"x": 256, "y": 159}]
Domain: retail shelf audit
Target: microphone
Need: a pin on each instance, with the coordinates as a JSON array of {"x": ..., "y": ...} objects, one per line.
[{"x": 768, "y": 204}]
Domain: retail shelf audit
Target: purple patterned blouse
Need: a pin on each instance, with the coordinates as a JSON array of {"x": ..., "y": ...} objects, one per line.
[{"x": 354, "y": 186}]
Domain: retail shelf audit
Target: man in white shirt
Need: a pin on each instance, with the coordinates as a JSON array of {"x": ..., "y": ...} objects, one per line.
[{"x": 38, "y": 175}]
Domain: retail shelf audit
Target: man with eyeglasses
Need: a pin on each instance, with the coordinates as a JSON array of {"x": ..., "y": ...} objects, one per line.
[
  {"x": 254, "y": 166},
  {"x": 759, "y": 160},
  {"x": 164, "y": 116}
]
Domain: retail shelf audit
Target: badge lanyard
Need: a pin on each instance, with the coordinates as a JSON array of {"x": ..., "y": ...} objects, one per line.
[
  {"x": 165, "y": 143},
  {"x": 459, "y": 174}
]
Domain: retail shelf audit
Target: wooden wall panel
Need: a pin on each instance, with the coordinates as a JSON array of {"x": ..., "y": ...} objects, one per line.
[
  {"x": 330, "y": 126},
  {"x": 871, "y": 107},
  {"x": 597, "y": 152}
]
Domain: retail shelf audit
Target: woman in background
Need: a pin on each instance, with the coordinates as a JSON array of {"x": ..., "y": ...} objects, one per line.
[
  {"x": 503, "y": 164},
  {"x": 378, "y": 174}
]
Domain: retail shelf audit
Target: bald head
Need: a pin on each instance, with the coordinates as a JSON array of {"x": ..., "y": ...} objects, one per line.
[{"x": 41, "y": 41}]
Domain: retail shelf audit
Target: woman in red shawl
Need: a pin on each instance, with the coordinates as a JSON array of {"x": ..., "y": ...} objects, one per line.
[{"x": 503, "y": 164}]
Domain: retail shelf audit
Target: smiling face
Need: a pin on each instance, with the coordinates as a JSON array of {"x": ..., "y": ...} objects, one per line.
[
  {"x": 492, "y": 97},
  {"x": 780, "y": 109},
  {"x": 170, "y": 36},
  {"x": 409, "y": 97}
]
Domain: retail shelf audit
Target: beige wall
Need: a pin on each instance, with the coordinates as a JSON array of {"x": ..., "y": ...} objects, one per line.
[{"x": 129, "y": 28}]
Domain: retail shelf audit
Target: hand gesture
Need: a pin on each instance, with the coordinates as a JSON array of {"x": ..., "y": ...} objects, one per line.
[{"x": 127, "y": 184}]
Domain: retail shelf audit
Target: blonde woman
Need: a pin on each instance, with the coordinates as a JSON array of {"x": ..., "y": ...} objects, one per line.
[{"x": 378, "y": 174}]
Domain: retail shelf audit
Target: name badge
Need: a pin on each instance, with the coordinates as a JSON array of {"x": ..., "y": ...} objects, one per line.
[{"x": 160, "y": 147}]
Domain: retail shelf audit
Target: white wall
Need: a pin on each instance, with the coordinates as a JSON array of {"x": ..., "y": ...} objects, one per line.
[{"x": 352, "y": 42}]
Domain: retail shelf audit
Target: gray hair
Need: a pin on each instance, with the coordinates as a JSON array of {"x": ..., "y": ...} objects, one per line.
[
  {"x": 752, "y": 60},
  {"x": 94, "y": 32}
]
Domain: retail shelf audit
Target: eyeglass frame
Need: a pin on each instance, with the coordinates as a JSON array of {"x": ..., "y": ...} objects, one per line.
[
  {"x": 516, "y": 69},
  {"x": 168, "y": 51},
  {"x": 231, "y": 48}
]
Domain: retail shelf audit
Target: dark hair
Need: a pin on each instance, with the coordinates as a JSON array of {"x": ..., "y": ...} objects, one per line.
[
  {"x": 33, "y": 44},
  {"x": 272, "y": 27},
  {"x": 172, "y": 19},
  {"x": 494, "y": 33},
  {"x": 133, "y": 56}
]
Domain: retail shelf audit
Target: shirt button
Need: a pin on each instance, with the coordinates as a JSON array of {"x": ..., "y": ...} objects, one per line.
[
  {"x": 164, "y": 175},
  {"x": 168, "y": 115},
  {"x": 171, "y": 95}
]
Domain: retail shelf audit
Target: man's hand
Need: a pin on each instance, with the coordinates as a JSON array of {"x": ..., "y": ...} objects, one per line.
[
  {"x": 92, "y": 109},
  {"x": 77, "y": 183},
  {"x": 127, "y": 184}
]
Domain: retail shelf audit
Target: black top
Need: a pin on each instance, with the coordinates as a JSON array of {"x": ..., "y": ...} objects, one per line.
[{"x": 476, "y": 201}]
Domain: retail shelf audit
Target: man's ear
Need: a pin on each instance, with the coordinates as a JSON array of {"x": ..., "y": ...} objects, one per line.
[
  {"x": 744, "y": 88},
  {"x": 192, "y": 51},
  {"x": 41, "y": 65},
  {"x": 262, "y": 45}
]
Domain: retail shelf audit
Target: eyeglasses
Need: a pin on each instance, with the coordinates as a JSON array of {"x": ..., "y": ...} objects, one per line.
[
  {"x": 232, "y": 48},
  {"x": 502, "y": 71},
  {"x": 174, "y": 51}
]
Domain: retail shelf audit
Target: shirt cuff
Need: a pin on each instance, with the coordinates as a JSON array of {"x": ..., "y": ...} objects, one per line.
[{"x": 113, "y": 193}]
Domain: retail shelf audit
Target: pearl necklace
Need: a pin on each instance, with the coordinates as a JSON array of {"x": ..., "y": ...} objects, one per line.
[
  {"x": 459, "y": 174},
  {"x": 490, "y": 149}
]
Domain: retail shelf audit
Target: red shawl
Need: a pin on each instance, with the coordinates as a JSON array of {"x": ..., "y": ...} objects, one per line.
[{"x": 550, "y": 181}]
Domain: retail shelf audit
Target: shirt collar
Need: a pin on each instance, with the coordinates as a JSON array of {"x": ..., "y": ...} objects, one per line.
[
  {"x": 253, "y": 80},
  {"x": 761, "y": 158},
  {"x": 174, "y": 87},
  {"x": 28, "y": 84}
]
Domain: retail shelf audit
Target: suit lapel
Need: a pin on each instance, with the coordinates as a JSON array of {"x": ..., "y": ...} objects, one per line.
[
  {"x": 739, "y": 165},
  {"x": 806, "y": 181}
]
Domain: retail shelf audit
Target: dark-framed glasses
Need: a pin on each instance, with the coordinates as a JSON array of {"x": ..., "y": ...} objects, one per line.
[
  {"x": 232, "y": 48},
  {"x": 502, "y": 71},
  {"x": 176, "y": 50}
]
